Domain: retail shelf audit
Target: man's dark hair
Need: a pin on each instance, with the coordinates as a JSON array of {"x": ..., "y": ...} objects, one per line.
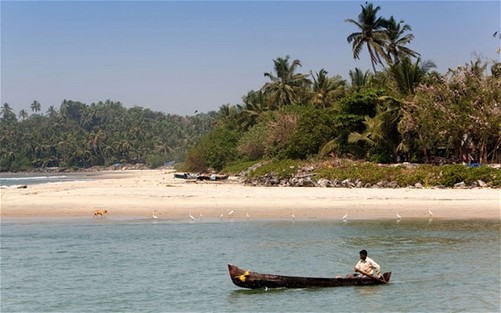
[{"x": 363, "y": 252}]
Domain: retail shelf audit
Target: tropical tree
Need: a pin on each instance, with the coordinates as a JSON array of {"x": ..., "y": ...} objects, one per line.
[
  {"x": 459, "y": 111},
  {"x": 325, "y": 89},
  {"x": 7, "y": 114},
  {"x": 23, "y": 114},
  {"x": 35, "y": 106},
  {"x": 407, "y": 75},
  {"x": 254, "y": 105},
  {"x": 396, "y": 39},
  {"x": 314, "y": 127},
  {"x": 51, "y": 111},
  {"x": 371, "y": 34},
  {"x": 359, "y": 79},
  {"x": 285, "y": 84},
  {"x": 381, "y": 132}
]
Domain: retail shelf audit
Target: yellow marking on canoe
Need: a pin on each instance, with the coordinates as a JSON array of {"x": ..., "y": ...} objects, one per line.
[{"x": 244, "y": 276}]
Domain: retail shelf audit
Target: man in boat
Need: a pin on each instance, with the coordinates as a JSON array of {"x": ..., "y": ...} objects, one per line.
[{"x": 367, "y": 265}]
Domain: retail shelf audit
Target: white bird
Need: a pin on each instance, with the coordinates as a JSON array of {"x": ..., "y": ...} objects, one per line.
[
  {"x": 201, "y": 216},
  {"x": 429, "y": 212},
  {"x": 221, "y": 216},
  {"x": 345, "y": 217},
  {"x": 247, "y": 215},
  {"x": 153, "y": 215},
  {"x": 293, "y": 216},
  {"x": 192, "y": 218},
  {"x": 231, "y": 212},
  {"x": 398, "y": 216}
]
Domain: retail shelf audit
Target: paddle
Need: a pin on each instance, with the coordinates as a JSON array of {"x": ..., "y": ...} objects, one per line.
[{"x": 375, "y": 278}]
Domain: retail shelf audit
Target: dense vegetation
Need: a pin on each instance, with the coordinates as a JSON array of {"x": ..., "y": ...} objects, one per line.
[
  {"x": 101, "y": 134},
  {"x": 401, "y": 111}
]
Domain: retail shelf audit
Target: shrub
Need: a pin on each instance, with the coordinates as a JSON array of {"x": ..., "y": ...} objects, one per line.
[
  {"x": 215, "y": 150},
  {"x": 314, "y": 128},
  {"x": 252, "y": 145},
  {"x": 237, "y": 167},
  {"x": 282, "y": 168},
  {"x": 453, "y": 174},
  {"x": 155, "y": 160}
]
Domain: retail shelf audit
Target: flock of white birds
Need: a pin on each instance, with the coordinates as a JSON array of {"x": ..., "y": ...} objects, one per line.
[{"x": 231, "y": 213}]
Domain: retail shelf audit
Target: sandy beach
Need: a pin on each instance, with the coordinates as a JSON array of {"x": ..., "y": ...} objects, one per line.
[{"x": 144, "y": 192}]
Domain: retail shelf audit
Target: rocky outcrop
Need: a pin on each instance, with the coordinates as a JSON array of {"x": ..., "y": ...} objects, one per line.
[{"x": 307, "y": 179}]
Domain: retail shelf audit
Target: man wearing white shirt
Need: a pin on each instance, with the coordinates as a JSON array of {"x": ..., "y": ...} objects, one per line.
[{"x": 367, "y": 265}]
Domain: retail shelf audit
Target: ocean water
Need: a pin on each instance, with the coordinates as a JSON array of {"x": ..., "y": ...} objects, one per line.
[
  {"x": 15, "y": 179},
  {"x": 124, "y": 265}
]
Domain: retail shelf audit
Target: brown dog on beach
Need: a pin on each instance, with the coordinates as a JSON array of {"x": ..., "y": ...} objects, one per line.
[{"x": 100, "y": 213}]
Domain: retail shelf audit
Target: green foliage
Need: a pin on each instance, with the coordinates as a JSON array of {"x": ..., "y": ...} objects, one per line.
[
  {"x": 271, "y": 135},
  {"x": 453, "y": 174},
  {"x": 195, "y": 160},
  {"x": 366, "y": 172},
  {"x": 18, "y": 164},
  {"x": 100, "y": 134},
  {"x": 424, "y": 174},
  {"x": 427, "y": 175},
  {"x": 379, "y": 154},
  {"x": 237, "y": 167},
  {"x": 283, "y": 168},
  {"x": 253, "y": 143},
  {"x": 361, "y": 102},
  {"x": 155, "y": 160},
  {"x": 315, "y": 127},
  {"x": 344, "y": 125},
  {"x": 215, "y": 150}
]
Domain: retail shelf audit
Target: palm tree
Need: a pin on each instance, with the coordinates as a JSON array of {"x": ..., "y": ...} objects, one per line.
[
  {"x": 285, "y": 83},
  {"x": 408, "y": 75},
  {"x": 51, "y": 111},
  {"x": 371, "y": 34},
  {"x": 35, "y": 106},
  {"x": 96, "y": 138},
  {"x": 7, "y": 114},
  {"x": 359, "y": 79},
  {"x": 381, "y": 130},
  {"x": 325, "y": 89},
  {"x": 478, "y": 67},
  {"x": 396, "y": 40},
  {"x": 254, "y": 105},
  {"x": 23, "y": 114}
]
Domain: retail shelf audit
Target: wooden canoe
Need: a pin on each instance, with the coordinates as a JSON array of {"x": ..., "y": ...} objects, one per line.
[{"x": 247, "y": 279}]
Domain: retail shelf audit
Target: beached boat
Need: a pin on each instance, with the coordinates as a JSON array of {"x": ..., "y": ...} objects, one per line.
[
  {"x": 185, "y": 175},
  {"x": 212, "y": 177},
  {"x": 247, "y": 279}
]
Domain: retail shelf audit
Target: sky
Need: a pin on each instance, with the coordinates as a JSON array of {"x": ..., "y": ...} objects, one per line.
[{"x": 179, "y": 57}]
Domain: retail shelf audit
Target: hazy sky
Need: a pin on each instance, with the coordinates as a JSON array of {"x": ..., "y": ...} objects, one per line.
[{"x": 181, "y": 56}]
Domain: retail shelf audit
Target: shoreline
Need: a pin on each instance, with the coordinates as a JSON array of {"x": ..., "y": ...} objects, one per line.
[{"x": 140, "y": 193}]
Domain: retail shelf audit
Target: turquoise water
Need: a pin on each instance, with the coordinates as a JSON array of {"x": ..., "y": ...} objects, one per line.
[{"x": 119, "y": 265}]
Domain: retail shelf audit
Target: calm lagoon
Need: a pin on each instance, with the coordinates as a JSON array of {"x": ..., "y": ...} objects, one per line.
[{"x": 124, "y": 265}]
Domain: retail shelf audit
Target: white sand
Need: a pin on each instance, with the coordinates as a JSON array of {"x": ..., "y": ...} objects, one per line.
[{"x": 140, "y": 193}]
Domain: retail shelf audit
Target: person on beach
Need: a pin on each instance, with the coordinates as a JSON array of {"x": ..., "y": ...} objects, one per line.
[{"x": 367, "y": 265}]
